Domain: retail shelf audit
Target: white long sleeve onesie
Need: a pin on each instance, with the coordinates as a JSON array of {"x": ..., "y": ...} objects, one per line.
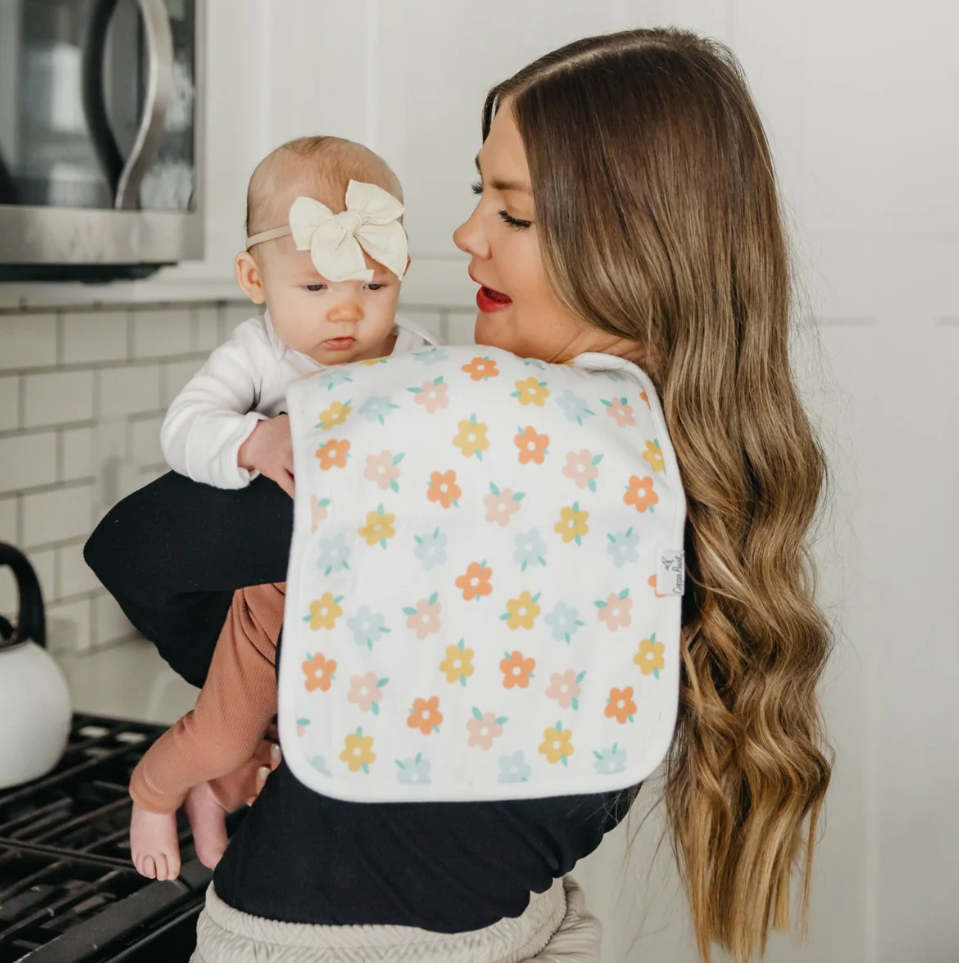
[{"x": 243, "y": 382}]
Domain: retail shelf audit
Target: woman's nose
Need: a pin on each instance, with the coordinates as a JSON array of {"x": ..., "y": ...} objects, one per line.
[
  {"x": 348, "y": 309},
  {"x": 469, "y": 237}
]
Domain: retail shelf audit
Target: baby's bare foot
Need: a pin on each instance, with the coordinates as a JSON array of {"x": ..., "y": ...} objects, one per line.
[
  {"x": 154, "y": 845},
  {"x": 208, "y": 823}
]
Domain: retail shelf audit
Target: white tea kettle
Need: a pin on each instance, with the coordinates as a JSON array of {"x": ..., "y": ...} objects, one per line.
[{"x": 34, "y": 699}]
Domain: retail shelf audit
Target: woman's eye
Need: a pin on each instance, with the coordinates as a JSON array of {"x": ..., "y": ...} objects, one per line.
[
  {"x": 315, "y": 287},
  {"x": 477, "y": 187},
  {"x": 514, "y": 222}
]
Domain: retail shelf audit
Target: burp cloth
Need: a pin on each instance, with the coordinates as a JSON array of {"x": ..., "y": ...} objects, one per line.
[{"x": 485, "y": 580}]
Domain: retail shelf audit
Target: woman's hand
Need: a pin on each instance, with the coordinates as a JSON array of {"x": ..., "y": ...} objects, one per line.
[{"x": 269, "y": 450}]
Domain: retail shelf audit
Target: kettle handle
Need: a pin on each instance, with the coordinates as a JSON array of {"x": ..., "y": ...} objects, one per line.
[{"x": 31, "y": 622}]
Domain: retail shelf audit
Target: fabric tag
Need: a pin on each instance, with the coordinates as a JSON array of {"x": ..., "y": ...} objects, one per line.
[{"x": 670, "y": 571}]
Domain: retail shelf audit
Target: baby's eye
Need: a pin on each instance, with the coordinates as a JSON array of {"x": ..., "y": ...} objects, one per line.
[
  {"x": 375, "y": 286},
  {"x": 315, "y": 287}
]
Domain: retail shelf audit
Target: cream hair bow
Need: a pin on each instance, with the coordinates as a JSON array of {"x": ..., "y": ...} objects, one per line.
[{"x": 336, "y": 242}]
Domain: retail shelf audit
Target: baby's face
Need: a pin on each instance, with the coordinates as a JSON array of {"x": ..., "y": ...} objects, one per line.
[{"x": 331, "y": 322}]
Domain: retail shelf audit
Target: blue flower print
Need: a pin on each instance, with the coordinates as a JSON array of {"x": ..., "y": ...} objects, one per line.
[
  {"x": 514, "y": 768},
  {"x": 431, "y": 356},
  {"x": 334, "y": 555},
  {"x": 377, "y": 409},
  {"x": 610, "y": 761},
  {"x": 332, "y": 378},
  {"x": 535, "y": 363},
  {"x": 367, "y": 626},
  {"x": 319, "y": 764},
  {"x": 615, "y": 375},
  {"x": 530, "y": 549},
  {"x": 431, "y": 549},
  {"x": 622, "y": 547},
  {"x": 564, "y": 621},
  {"x": 414, "y": 771},
  {"x": 574, "y": 408}
]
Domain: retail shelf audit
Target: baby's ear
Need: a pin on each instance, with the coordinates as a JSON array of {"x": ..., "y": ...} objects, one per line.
[{"x": 249, "y": 278}]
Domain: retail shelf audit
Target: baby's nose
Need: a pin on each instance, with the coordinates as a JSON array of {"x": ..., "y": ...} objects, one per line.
[{"x": 347, "y": 310}]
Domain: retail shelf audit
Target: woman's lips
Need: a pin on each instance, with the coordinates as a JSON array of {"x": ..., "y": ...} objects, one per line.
[
  {"x": 339, "y": 344},
  {"x": 489, "y": 300}
]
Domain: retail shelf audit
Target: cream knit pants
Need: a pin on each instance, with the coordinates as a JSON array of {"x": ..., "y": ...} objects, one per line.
[{"x": 556, "y": 928}]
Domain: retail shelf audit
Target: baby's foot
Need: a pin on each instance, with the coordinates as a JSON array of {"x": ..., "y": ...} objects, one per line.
[
  {"x": 154, "y": 844},
  {"x": 208, "y": 823}
]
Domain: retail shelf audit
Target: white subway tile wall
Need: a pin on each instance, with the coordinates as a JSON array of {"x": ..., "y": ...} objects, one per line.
[{"x": 82, "y": 397}]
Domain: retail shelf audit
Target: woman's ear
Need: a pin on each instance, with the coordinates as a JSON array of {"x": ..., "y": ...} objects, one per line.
[{"x": 249, "y": 277}]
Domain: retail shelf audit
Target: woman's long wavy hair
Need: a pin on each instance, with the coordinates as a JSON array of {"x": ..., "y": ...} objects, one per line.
[{"x": 659, "y": 221}]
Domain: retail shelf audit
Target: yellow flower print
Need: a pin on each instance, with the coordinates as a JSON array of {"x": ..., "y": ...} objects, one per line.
[
  {"x": 654, "y": 455},
  {"x": 572, "y": 524},
  {"x": 324, "y": 612},
  {"x": 458, "y": 664},
  {"x": 649, "y": 658},
  {"x": 557, "y": 744},
  {"x": 335, "y": 415},
  {"x": 521, "y": 613},
  {"x": 378, "y": 527},
  {"x": 472, "y": 439},
  {"x": 358, "y": 753},
  {"x": 532, "y": 391}
]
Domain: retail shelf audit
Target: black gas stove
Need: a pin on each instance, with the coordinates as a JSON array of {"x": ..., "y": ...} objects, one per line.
[{"x": 68, "y": 890}]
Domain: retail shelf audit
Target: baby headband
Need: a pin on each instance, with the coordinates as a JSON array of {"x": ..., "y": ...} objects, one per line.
[{"x": 336, "y": 242}]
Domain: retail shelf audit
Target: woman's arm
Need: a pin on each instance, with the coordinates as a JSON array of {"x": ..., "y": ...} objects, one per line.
[{"x": 173, "y": 553}]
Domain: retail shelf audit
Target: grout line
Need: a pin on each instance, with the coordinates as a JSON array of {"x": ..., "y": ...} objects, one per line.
[
  {"x": 60, "y": 335},
  {"x": 59, "y": 470}
]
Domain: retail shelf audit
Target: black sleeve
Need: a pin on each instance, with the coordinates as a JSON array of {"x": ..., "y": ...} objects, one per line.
[{"x": 173, "y": 553}]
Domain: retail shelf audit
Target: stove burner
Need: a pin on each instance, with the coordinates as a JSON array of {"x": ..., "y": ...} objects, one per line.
[{"x": 68, "y": 890}]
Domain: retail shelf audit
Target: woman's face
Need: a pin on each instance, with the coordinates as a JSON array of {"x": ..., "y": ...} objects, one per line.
[{"x": 517, "y": 310}]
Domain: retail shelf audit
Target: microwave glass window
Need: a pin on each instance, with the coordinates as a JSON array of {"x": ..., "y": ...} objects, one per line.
[{"x": 98, "y": 104}]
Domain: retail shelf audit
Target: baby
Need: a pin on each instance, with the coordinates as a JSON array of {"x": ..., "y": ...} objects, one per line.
[{"x": 331, "y": 283}]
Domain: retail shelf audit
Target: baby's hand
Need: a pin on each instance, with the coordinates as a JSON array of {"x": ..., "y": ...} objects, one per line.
[
  {"x": 154, "y": 845},
  {"x": 269, "y": 450}
]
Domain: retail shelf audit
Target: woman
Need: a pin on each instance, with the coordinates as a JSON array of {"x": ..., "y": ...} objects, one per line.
[{"x": 628, "y": 206}]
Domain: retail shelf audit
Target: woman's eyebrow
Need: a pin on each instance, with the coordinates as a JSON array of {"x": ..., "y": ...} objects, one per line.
[{"x": 500, "y": 185}]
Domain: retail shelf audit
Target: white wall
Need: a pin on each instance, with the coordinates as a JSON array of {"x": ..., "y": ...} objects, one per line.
[{"x": 860, "y": 102}]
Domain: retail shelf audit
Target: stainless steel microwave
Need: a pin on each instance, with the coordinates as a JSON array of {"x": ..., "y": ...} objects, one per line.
[{"x": 101, "y": 133}]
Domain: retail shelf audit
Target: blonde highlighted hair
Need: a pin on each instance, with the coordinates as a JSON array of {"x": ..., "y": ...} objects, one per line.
[{"x": 658, "y": 220}]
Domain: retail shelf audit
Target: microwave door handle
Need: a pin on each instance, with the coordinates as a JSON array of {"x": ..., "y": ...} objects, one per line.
[{"x": 159, "y": 36}]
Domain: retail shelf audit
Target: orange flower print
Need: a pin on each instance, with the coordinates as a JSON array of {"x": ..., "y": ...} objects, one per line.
[
  {"x": 318, "y": 511},
  {"x": 484, "y": 728},
  {"x": 650, "y": 658},
  {"x": 581, "y": 468},
  {"x": 651, "y": 581},
  {"x": 532, "y": 446},
  {"x": 615, "y": 610},
  {"x": 502, "y": 504},
  {"x": 654, "y": 455},
  {"x": 645, "y": 398},
  {"x": 333, "y": 454},
  {"x": 383, "y": 470},
  {"x": 620, "y": 705},
  {"x": 379, "y": 527},
  {"x": 424, "y": 619},
  {"x": 442, "y": 488},
  {"x": 425, "y": 715},
  {"x": 516, "y": 670},
  {"x": 324, "y": 612},
  {"x": 366, "y": 691},
  {"x": 481, "y": 369},
  {"x": 620, "y": 412},
  {"x": 335, "y": 415},
  {"x": 521, "y": 613},
  {"x": 472, "y": 439},
  {"x": 458, "y": 664},
  {"x": 432, "y": 395},
  {"x": 476, "y": 582},
  {"x": 640, "y": 493},
  {"x": 556, "y": 744},
  {"x": 319, "y": 670},
  {"x": 531, "y": 391},
  {"x": 358, "y": 753},
  {"x": 565, "y": 688},
  {"x": 572, "y": 524}
]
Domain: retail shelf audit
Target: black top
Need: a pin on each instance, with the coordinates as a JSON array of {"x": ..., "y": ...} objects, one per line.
[{"x": 172, "y": 554}]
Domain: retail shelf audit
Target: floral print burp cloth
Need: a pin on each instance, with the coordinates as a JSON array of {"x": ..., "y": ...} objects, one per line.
[{"x": 485, "y": 579}]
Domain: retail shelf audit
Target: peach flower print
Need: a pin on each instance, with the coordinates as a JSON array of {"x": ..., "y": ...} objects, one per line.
[
  {"x": 581, "y": 468},
  {"x": 424, "y": 619},
  {"x": 565, "y": 688},
  {"x": 366, "y": 691},
  {"x": 484, "y": 728},
  {"x": 432, "y": 395},
  {"x": 615, "y": 610},
  {"x": 502, "y": 504},
  {"x": 620, "y": 412}
]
